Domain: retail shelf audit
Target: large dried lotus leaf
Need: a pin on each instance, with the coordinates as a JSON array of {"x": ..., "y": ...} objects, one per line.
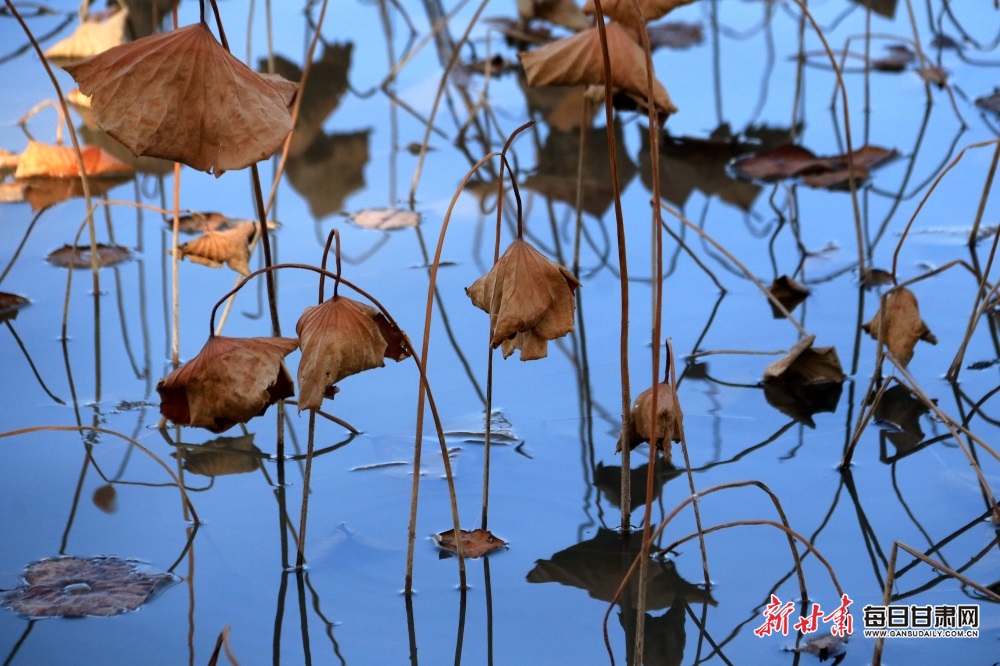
[
  {"x": 529, "y": 299},
  {"x": 77, "y": 587},
  {"x": 95, "y": 34},
  {"x": 40, "y": 160},
  {"x": 230, "y": 381},
  {"x": 339, "y": 338},
  {"x": 805, "y": 364},
  {"x": 623, "y": 11},
  {"x": 903, "y": 325},
  {"x": 213, "y": 248},
  {"x": 577, "y": 60},
  {"x": 181, "y": 96}
]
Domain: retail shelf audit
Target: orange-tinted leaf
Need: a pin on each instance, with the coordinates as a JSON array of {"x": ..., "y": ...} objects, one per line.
[
  {"x": 340, "y": 337},
  {"x": 95, "y": 34},
  {"x": 475, "y": 544},
  {"x": 669, "y": 419},
  {"x": 41, "y": 160},
  {"x": 213, "y": 248},
  {"x": 529, "y": 299},
  {"x": 902, "y": 325},
  {"x": 153, "y": 96},
  {"x": 44, "y": 192},
  {"x": 69, "y": 256},
  {"x": 230, "y": 381},
  {"x": 577, "y": 60},
  {"x": 8, "y": 162}
]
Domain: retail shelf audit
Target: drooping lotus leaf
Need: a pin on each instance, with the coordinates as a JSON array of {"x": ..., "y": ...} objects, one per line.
[
  {"x": 529, "y": 299},
  {"x": 182, "y": 96},
  {"x": 903, "y": 327},
  {"x": 81, "y": 587},
  {"x": 669, "y": 418}
]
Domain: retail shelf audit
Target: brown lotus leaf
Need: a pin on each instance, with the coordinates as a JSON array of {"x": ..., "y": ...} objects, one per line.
[
  {"x": 181, "y": 96},
  {"x": 822, "y": 172},
  {"x": 213, "y": 248},
  {"x": 10, "y": 305},
  {"x": 105, "y": 498},
  {"x": 475, "y": 544},
  {"x": 788, "y": 292},
  {"x": 669, "y": 419},
  {"x": 902, "y": 325},
  {"x": 577, "y": 60},
  {"x": 623, "y": 11},
  {"x": 69, "y": 256},
  {"x": 77, "y": 587},
  {"x": 529, "y": 299},
  {"x": 934, "y": 74},
  {"x": 96, "y": 33},
  {"x": 230, "y": 381},
  {"x": 342, "y": 337},
  {"x": 197, "y": 222},
  {"x": 561, "y": 12},
  {"x": 863, "y": 160},
  {"x": 805, "y": 364},
  {"x": 874, "y": 277},
  {"x": 40, "y": 160}
]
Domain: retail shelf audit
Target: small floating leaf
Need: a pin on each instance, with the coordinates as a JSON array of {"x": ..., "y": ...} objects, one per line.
[
  {"x": 475, "y": 544},
  {"x": 788, "y": 292},
  {"x": 77, "y": 587},
  {"x": 69, "y": 256},
  {"x": 10, "y": 304},
  {"x": 386, "y": 219}
]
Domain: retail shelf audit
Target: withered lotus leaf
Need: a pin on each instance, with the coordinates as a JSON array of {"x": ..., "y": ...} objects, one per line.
[
  {"x": 668, "y": 421},
  {"x": 561, "y": 12},
  {"x": 77, "y": 587},
  {"x": 230, "y": 381},
  {"x": 70, "y": 256},
  {"x": 181, "y": 96},
  {"x": 903, "y": 325},
  {"x": 340, "y": 337},
  {"x": 213, "y": 248},
  {"x": 788, "y": 292},
  {"x": 40, "y": 160},
  {"x": 529, "y": 299},
  {"x": 623, "y": 11},
  {"x": 805, "y": 364},
  {"x": 577, "y": 60},
  {"x": 96, "y": 33},
  {"x": 475, "y": 544}
]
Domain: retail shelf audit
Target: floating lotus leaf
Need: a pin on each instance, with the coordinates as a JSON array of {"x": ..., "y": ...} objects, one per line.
[
  {"x": 69, "y": 256},
  {"x": 475, "y": 544},
  {"x": 10, "y": 305},
  {"x": 903, "y": 325},
  {"x": 77, "y": 587},
  {"x": 386, "y": 219},
  {"x": 788, "y": 292},
  {"x": 529, "y": 299},
  {"x": 805, "y": 364},
  {"x": 213, "y": 248},
  {"x": 230, "y": 381},
  {"x": 181, "y": 96}
]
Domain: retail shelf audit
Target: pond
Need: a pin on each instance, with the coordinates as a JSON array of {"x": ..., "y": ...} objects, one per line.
[{"x": 817, "y": 492}]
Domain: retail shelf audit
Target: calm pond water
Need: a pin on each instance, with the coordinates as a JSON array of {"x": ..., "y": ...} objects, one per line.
[{"x": 554, "y": 494}]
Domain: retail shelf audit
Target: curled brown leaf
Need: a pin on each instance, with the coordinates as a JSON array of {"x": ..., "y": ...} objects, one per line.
[
  {"x": 213, "y": 248},
  {"x": 903, "y": 326},
  {"x": 529, "y": 299},
  {"x": 230, "y": 381},
  {"x": 668, "y": 422}
]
